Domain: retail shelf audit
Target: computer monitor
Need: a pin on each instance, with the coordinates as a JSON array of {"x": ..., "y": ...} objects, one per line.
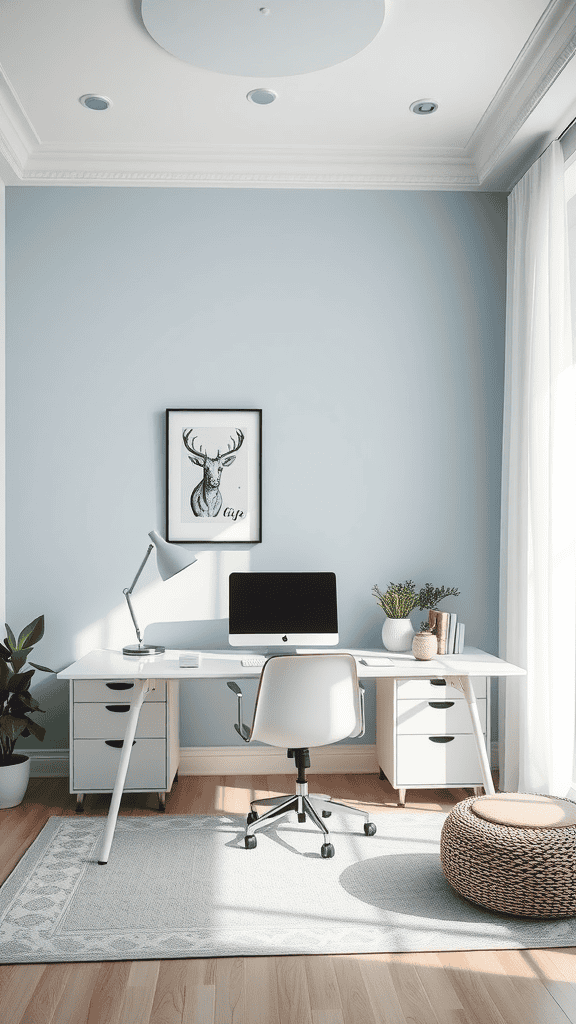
[{"x": 282, "y": 609}]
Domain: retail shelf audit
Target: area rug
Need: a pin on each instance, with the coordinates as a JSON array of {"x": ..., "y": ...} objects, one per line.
[{"x": 181, "y": 886}]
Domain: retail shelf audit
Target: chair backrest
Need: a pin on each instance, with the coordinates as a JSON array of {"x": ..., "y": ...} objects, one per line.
[{"x": 307, "y": 700}]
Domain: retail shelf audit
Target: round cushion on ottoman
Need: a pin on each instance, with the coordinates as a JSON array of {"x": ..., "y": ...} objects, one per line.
[{"x": 513, "y": 852}]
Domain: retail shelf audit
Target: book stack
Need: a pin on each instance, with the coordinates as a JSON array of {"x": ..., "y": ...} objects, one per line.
[{"x": 449, "y": 631}]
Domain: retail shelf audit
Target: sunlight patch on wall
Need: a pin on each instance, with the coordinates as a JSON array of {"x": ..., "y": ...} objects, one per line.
[{"x": 199, "y": 593}]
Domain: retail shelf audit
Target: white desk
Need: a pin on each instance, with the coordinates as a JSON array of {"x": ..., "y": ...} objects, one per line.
[{"x": 456, "y": 669}]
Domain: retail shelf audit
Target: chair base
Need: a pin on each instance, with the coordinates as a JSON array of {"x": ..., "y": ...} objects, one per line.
[{"x": 314, "y": 805}]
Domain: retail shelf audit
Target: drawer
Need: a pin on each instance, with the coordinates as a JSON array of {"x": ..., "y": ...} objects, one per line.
[
  {"x": 96, "y": 764},
  {"x": 110, "y": 690},
  {"x": 108, "y": 721},
  {"x": 436, "y": 716},
  {"x": 431, "y": 688},
  {"x": 421, "y": 761}
]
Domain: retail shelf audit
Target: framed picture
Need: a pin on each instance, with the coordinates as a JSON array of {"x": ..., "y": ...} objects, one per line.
[{"x": 213, "y": 475}]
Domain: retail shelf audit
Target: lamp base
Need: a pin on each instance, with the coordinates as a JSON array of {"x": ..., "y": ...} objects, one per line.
[{"x": 143, "y": 650}]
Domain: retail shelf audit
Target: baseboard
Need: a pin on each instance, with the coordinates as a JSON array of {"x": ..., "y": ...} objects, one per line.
[
  {"x": 356, "y": 758},
  {"x": 256, "y": 760},
  {"x": 47, "y": 763},
  {"x": 359, "y": 759}
]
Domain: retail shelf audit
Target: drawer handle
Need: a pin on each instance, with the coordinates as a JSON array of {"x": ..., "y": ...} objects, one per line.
[
  {"x": 118, "y": 708},
  {"x": 120, "y": 686},
  {"x": 116, "y": 743},
  {"x": 440, "y": 704},
  {"x": 438, "y": 682},
  {"x": 440, "y": 739}
]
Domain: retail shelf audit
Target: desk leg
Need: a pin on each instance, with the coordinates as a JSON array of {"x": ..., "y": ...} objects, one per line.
[
  {"x": 463, "y": 684},
  {"x": 131, "y": 724}
]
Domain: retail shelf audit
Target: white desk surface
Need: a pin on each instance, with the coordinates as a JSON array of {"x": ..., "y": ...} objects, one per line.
[{"x": 104, "y": 664}]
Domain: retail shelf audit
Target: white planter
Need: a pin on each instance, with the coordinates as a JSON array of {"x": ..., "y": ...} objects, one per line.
[
  {"x": 397, "y": 634},
  {"x": 14, "y": 781}
]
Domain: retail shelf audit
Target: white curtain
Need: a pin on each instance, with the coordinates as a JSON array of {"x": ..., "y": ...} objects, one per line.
[{"x": 538, "y": 569}]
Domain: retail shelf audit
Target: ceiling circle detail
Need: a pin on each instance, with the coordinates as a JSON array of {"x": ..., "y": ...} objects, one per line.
[{"x": 240, "y": 37}]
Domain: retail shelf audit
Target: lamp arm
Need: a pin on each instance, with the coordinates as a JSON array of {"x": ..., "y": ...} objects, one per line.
[
  {"x": 129, "y": 590},
  {"x": 137, "y": 576}
]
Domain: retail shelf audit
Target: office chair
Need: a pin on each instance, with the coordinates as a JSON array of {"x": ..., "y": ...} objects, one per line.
[{"x": 305, "y": 700}]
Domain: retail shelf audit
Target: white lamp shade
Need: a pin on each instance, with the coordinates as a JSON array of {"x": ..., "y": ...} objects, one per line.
[{"x": 170, "y": 558}]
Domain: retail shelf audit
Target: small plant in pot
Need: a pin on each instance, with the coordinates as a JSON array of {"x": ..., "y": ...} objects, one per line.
[
  {"x": 425, "y": 643},
  {"x": 16, "y": 705}
]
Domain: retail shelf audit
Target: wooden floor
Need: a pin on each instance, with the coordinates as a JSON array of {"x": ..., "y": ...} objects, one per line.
[{"x": 504, "y": 987}]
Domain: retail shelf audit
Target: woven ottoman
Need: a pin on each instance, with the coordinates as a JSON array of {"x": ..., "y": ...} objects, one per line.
[{"x": 513, "y": 852}]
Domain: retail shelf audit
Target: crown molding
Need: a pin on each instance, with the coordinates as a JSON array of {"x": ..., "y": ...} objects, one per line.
[
  {"x": 542, "y": 59},
  {"x": 253, "y": 167},
  {"x": 17, "y": 136}
]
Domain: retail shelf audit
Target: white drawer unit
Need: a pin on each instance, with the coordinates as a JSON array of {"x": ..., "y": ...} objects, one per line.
[
  {"x": 98, "y": 715},
  {"x": 424, "y": 736}
]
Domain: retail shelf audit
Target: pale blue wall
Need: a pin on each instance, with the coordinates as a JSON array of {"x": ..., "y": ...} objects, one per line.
[{"x": 368, "y": 326}]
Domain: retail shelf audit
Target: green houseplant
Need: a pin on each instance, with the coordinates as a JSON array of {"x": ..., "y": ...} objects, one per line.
[
  {"x": 16, "y": 705},
  {"x": 398, "y": 601}
]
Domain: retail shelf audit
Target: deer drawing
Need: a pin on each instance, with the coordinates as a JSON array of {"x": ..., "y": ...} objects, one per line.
[{"x": 206, "y": 499}]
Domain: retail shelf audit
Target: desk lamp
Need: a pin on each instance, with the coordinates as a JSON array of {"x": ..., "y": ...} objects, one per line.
[{"x": 170, "y": 559}]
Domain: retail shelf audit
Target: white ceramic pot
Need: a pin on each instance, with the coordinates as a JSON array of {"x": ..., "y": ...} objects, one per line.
[
  {"x": 425, "y": 646},
  {"x": 14, "y": 781},
  {"x": 397, "y": 634}
]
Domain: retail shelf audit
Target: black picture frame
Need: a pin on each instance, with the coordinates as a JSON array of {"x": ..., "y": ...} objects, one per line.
[{"x": 214, "y": 476}]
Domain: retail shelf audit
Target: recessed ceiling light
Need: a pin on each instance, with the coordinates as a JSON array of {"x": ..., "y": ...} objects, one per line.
[
  {"x": 95, "y": 102},
  {"x": 261, "y": 96},
  {"x": 423, "y": 107}
]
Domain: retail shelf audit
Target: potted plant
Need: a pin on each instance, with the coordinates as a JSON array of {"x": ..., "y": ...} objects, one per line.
[
  {"x": 425, "y": 643},
  {"x": 16, "y": 704},
  {"x": 397, "y": 602}
]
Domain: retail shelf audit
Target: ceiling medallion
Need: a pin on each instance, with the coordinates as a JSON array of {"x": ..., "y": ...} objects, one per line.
[{"x": 239, "y": 37}]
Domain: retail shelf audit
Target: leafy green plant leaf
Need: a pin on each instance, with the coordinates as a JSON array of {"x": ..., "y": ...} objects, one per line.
[
  {"x": 12, "y": 727},
  {"x": 18, "y": 659},
  {"x": 37, "y": 730},
  {"x": 31, "y": 633},
  {"x": 10, "y": 638},
  {"x": 42, "y": 668},
  {"x": 23, "y": 702},
  {"x": 20, "y": 681}
]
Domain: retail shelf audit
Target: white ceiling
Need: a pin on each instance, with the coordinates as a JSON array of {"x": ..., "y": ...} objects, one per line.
[{"x": 501, "y": 72}]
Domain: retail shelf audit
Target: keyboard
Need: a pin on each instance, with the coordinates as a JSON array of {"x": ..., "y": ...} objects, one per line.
[{"x": 253, "y": 661}]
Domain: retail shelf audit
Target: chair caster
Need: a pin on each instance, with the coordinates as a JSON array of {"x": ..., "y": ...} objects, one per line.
[
  {"x": 326, "y": 814},
  {"x": 301, "y": 817},
  {"x": 253, "y": 816},
  {"x": 370, "y": 828},
  {"x": 327, "y": 850},
  {"x": 250, "y": 842}
]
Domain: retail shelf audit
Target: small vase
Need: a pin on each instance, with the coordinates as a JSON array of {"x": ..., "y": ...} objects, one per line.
[
  {"x": 397, "y": 634},
  {"x": 14, "y": 781},
  {"x": 425, "y": 646}
]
